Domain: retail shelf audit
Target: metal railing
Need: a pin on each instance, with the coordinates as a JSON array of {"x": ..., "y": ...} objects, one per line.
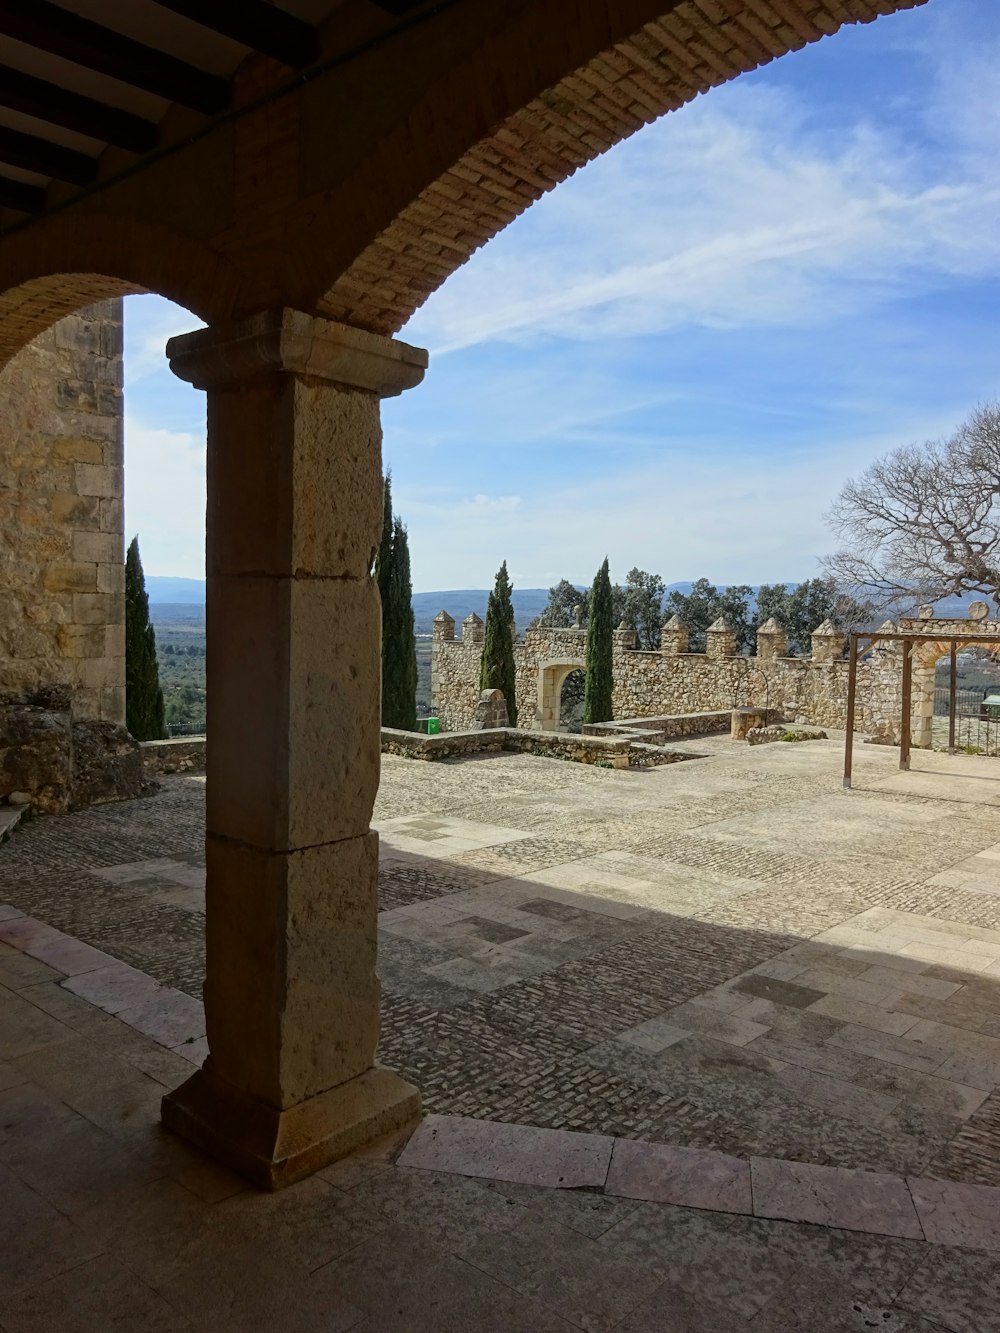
[
  {"x": 966, "y": 701},
  {"x": 977, "y": 735},
  {"x": 176, "y": 729}
]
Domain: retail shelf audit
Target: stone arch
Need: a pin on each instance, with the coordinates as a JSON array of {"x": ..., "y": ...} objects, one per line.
[
  {"x": 925, "y": 659},
  {"x": 98, "y": 258},
  {"x": 567, "y": 94},
  {"x": 551, "y": 678}
]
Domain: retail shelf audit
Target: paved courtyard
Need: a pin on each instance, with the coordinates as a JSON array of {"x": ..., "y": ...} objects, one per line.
[
  {"x": 730, "y": 953},
  {"x": 729, "y": 956}
]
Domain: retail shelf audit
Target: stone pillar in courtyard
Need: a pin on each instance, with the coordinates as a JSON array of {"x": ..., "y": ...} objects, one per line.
[
  {"x": 673, "y": 637},
  {"x": 294, "y": 515},
  {"x": 827, "y": 642},
  {"x": 720, "y": 639},
  {"x": 772, "y": 641},
  {"x": 924, "y": 679}
]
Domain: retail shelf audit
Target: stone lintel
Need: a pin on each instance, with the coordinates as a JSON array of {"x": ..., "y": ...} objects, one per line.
[
  {"x": 291, "y": 341},
  {"x": 274, "y": 1148}
]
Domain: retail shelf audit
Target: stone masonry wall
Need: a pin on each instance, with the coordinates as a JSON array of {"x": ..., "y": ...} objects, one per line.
[
  {"x": 62, "y": 588},
  {"x": 651, "y": 684}
]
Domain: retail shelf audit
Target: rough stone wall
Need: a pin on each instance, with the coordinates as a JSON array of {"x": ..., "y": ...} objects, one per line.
[
  {"x": 182, "y": 755},
  {"x": 62, "y": 588},
  {"x": 653, "y": 684}
]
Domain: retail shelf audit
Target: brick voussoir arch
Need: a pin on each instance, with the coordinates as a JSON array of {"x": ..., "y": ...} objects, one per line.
[
  {"x": 60, "y": 269},
  {"x": 694, "y": 46}
]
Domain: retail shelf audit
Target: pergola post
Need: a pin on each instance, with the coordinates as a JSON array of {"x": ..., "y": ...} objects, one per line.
[
  {"x": 906, "y": 708},
  {"x": 852, "y": 683},
  {"x": 952, "y": 694}
]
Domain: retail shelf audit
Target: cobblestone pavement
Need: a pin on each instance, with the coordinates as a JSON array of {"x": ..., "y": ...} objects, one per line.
[{"x": 731, "y": 954}]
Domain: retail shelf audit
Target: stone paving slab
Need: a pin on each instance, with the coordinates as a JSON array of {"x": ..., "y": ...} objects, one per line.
[
  {"x": 169, "y": 1017},
  {"x": 689, "y": 1177},
  {"x": 518, "y": 1153},
  {"x": 941, "y": 1212},
  {"x": 834, "y": 1197}
]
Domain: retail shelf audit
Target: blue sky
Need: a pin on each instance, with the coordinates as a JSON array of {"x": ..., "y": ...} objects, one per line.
[{"x": 678, "y": 356}]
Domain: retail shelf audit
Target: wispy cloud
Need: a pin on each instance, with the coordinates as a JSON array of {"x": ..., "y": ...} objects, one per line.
[
  {"x": 165, "y": 497},
  {"x": 679, "y": 355},
  {"x": 733, "y": 213},
  {"x": 151, "y": 321}
]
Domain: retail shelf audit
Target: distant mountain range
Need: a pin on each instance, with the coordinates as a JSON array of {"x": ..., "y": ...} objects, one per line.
[
  {"x": 165, "y": 589},
  {"x": 187, "y": 595}
]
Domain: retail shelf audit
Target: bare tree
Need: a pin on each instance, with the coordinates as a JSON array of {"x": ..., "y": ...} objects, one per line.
[{"x": 924, "y": 522}]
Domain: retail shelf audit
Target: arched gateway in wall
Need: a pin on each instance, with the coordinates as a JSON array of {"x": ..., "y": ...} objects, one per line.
[
  {"x": 551, "y": 679},
  {"x": 302, "y": 176}
]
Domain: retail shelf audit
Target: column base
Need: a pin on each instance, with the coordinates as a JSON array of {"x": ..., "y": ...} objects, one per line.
[{"x": 273, "y": 1148}]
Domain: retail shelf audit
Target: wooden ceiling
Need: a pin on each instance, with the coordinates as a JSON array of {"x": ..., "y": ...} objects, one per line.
[{"x": 80, "y": 76}]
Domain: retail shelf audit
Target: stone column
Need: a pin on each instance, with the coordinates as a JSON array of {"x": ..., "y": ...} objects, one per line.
[
  {"x": 673, "y": 637},
  {"x": 925, "y": 660},
  {"x": 294, "y": 515},
  {"x": 772, "y": 641},
  {"x": 720, "y": 639}
]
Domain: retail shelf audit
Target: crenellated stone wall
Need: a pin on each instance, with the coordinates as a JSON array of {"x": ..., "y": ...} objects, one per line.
[
  {"x": 672, "y": 681},
  {"x": 62, "y": 588}
]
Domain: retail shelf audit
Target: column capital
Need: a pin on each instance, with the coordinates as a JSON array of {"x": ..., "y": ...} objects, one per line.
[{"x": 299, "y": 344}]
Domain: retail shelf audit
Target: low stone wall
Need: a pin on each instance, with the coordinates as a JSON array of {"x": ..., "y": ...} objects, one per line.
[
  {"x": 186, "y": 754},
  {"x": 453, "y": 744},
  {"x": 604, "y": 751},
  {"x": 784, "y": 731},
  {"x": 657, "y": 730}
]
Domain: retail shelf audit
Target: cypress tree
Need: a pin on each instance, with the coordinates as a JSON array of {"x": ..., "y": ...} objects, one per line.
[
  {"x": 383, "y": 577},
  {"x": 496, "y": 669},
  {"x": 143, "y": 696},
  {"x": 600, "y": 632},
  {"x": 383, "y": 556},
  {"x": 399, "y": 648},
  {"x": 399, "y": 665}
]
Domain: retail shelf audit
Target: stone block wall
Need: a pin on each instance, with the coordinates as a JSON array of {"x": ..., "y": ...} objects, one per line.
[
  {"x": 672, "y": 681},
  {"x": 62, "y": 577}
]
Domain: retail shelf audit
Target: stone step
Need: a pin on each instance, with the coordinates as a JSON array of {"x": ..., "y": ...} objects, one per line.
[{"x": 10, "y": 817}]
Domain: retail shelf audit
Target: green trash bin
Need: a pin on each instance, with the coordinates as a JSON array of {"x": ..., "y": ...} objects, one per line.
[{"x": 433, "y": 726}]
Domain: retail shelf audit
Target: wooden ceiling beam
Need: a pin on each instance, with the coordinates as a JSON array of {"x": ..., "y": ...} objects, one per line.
[
  {"x": 47, "y": 101},
  {"x": 50, "y": 28},
  {"x": 397, "y": 7},
  {"x": 23, "y": 198},
  {"x": 45, "y": 158},
  {"x": 261, "y": 26}
]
